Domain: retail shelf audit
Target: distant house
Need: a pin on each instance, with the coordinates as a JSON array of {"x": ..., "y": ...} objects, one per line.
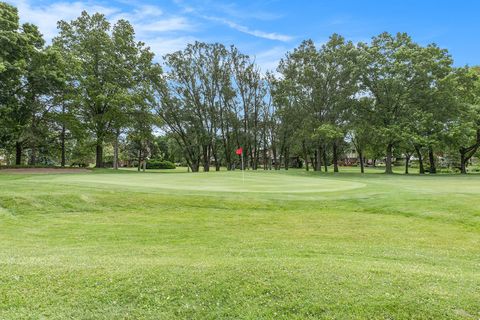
[{"x": 350, "y": 158}]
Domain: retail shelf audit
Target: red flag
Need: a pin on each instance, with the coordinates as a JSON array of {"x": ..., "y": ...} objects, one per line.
[{"x": 239, "y": 151}]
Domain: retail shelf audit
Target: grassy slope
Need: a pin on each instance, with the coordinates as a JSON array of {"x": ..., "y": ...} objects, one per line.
[{"x": 283, "y": 245}]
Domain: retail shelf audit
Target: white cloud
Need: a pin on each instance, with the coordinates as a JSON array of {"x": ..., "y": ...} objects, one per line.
[
  {"x": 140, "y": 14},
  {"x": 256, "y": 33},
  {"x": 163, "y": 33},
  {"x": 234, "y": 12},
  {"x": 148, "y": 10},
  {"x": 46, "y": 17},
  {"x": 169, "y": 24}
]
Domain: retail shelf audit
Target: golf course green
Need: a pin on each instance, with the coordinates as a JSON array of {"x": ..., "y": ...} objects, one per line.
[{"x": 220, "y": 245}]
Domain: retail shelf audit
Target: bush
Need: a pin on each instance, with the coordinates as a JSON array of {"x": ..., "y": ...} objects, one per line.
[
  {"x": 157, "y": 164},
  {"x": 449, "y": 170},
  {"x": 79, "y": 164}
]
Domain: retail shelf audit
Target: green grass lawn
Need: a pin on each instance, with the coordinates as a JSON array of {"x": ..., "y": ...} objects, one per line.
[{"x": 282, "y": 245}]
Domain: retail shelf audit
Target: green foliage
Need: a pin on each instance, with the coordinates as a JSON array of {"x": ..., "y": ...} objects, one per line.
[
  {"x": 98, "y": 87},
  {"x": 316, "y": 89},
  {"x": 213, "y": 101},
  {"x": 111, "y": 74},
  {"x": 160, "y": 164}
]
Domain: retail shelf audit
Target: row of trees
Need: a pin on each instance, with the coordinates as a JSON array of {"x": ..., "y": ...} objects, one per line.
[
  {"x": 389, "y": 97},
  {"x": 96, "y": 90},
  {"x": 94, "y": 84}
]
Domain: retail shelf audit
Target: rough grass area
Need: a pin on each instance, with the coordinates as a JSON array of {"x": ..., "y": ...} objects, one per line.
[{"x": 282, "y": 245}]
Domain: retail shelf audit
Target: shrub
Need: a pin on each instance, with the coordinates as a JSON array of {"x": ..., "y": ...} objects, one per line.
[
  {"x": 79, "y": 164},
  {"x": 158, "y": 164}
]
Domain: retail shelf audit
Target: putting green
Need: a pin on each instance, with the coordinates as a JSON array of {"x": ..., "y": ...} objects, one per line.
[{"x": 272, "y": 182}]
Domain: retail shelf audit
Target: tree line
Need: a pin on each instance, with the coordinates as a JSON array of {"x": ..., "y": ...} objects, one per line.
[{"x": 96, "y": 94}]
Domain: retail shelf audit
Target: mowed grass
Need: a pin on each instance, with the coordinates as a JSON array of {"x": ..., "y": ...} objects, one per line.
[{"x": 281, "y": 245}]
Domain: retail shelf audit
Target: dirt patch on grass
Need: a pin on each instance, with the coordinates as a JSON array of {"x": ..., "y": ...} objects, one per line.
[{"x": 44, "y": 170}]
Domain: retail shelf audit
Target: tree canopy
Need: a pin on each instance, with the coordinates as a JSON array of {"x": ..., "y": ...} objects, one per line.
[{"x": 97, "y": 95}]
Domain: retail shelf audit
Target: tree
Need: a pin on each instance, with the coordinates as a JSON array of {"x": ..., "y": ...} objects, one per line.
[
  {"x": 360, "y": 124},
  {"x": 431, "y": 100},
  {"x": 386, "y": 77},
  {"x": 212, "y": 101},
  {"x": 189, "y": 100},
  {"x": 251, "y": 91},
  {"x": 321, "y": 84},
  {"x": 12, "y": 64},
  {"x": 462, "y": 132},
  {"x": 32, "y": 74},
  {"x": 102, "y": 59}
]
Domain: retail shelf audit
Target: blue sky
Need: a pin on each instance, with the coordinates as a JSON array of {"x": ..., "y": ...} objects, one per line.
[{"x": 267, "y": 29}]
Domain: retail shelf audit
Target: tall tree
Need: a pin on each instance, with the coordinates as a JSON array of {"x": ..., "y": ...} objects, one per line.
[
  {"x": 431, "y": 100},
  {"x": 102, "y": 58},
  {"x": 322, "y": 84},
  {"x": 12, "y": 64},
  {"x": 30, "y": 75},
  {"x": 462, "y": 132},
  {"x": 361, "y": 120},
  {"x": 387, "y": 72}
]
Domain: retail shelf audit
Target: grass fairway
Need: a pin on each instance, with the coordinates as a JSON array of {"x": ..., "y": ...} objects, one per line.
[{"x": 284, "y": 245}]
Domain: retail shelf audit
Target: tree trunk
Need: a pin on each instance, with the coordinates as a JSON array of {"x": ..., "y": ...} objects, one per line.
[
  {"x": 62, "y": 146},
  {"x": 264, "y": 157},
  {"x": 313, "y": 162},
  {"x": 388, "y": 159},
  {"x": 99, "y": 155},
  {"x": 463, "y": 162},
  {"x": 362, "y": 164},
  {"x": 318, "y": 159},
  {"x": 420, "y": 160},
  {"x": 431, "y": 158},
  {"x": 115, "y": 151},
  {"x": 139, "y": 159},
  {"x": 305, "y": 155},
  {"x": 256, "y": 157},
  {"x": 275, "y": 160},
  {"x": 18, "y": 153},
  {"x": 215, "y": 158},
  {"x": 286, "y": 159},
  {"x": 206, "y": 159},
  {"x": 335, "y": 157},
  {"x": 281, "y": 155},
  {"x": 467, "y": 153},
  {"x": 407, "y": 162},
  {"x": 194, "y": 167},
  {"x": 325, "y": 164}
]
